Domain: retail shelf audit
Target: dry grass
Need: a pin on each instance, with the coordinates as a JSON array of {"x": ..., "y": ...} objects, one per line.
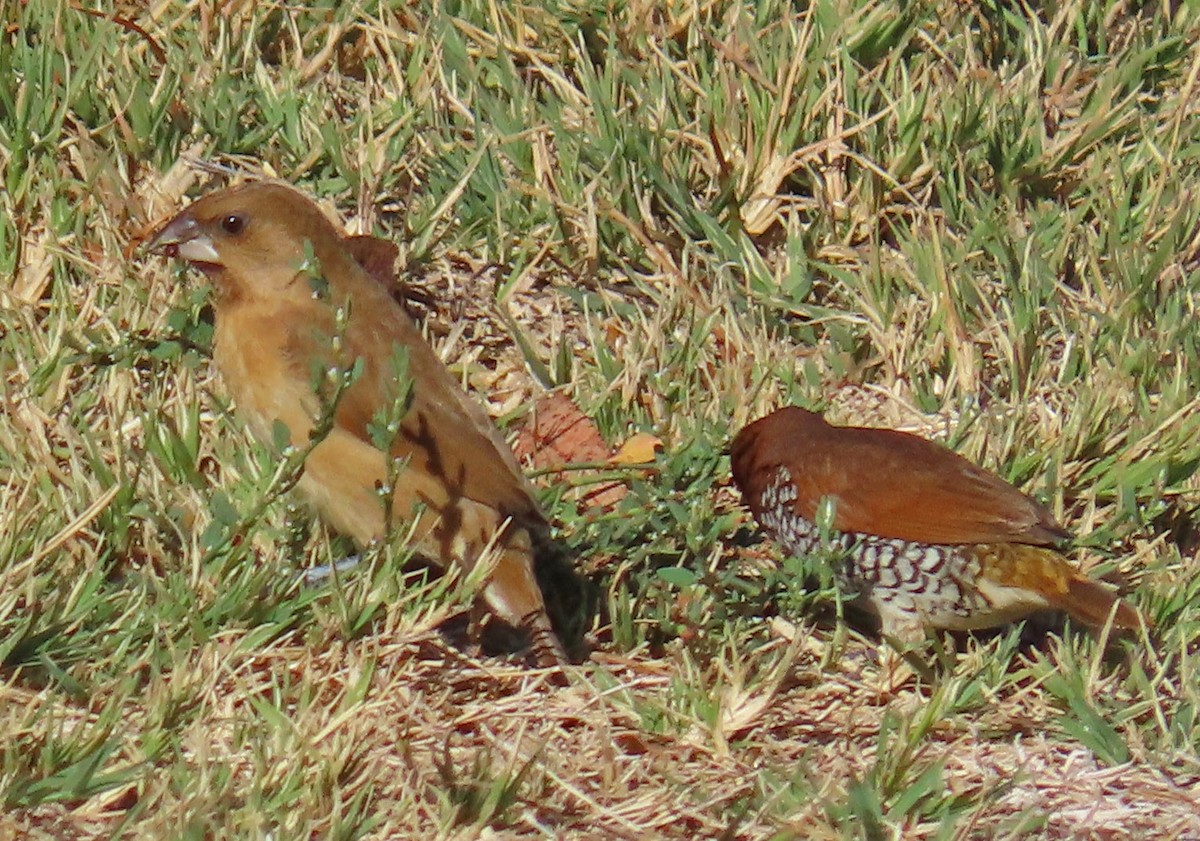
[{"x": 975, "y": 222}]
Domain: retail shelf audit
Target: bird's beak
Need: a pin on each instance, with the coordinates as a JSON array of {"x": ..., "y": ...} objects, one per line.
[{"x": 183, "y": 237}]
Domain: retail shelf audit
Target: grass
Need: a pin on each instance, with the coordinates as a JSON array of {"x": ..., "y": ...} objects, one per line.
[{"x": 975, "y": 221}]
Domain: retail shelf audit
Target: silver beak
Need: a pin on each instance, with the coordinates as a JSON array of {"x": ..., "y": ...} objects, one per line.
[{"x": 182, "y": 237}]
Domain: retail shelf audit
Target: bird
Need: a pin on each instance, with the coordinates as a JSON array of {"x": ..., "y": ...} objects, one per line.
[
  {"x": 307, "y": 334},
  {"x": 926, "y": 540}
]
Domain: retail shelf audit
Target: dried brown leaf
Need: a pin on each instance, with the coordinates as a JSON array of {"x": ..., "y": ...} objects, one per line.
[{"x": 558, "y": 434}]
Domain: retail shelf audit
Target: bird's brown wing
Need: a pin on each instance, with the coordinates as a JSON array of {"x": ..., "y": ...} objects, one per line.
[
  {"x": 445, "y": 432},
  {"x": 376, "y": 256},
  {"x": 885, "y": 483},
  {"x": 900, "y": 486}
]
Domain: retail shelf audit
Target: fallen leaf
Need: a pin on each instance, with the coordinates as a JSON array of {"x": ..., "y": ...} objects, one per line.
[
  {"x": 558, "y": 433},
  {"x": 639, "y": 448}
]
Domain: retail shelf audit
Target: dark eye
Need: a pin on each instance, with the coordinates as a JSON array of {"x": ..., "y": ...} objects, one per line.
[{"x": 234, "y": 223}]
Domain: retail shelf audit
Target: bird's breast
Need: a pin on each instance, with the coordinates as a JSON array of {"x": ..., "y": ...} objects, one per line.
[{"x": 249, "y": 349}]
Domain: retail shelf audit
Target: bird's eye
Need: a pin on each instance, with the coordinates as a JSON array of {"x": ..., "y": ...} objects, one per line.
[{"x": 234, "y": 223}]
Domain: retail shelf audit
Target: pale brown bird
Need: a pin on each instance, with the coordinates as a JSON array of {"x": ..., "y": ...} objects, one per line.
[
  {"x": 930, "y": 540},
  {"x": 280, "y": 273}
]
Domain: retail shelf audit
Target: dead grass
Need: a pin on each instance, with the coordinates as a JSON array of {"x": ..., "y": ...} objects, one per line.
[
  {"x": 973, "y": 222},
  {"x": 422, "y": 736}
]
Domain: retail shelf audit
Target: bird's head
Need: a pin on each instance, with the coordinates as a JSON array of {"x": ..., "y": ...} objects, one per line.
[
  {"x": 763, "y": 446},
  {"x": 250, "y": 239}
]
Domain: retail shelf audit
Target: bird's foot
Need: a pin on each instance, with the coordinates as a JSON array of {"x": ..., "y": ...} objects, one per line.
[{"x": 317, "y": 575}]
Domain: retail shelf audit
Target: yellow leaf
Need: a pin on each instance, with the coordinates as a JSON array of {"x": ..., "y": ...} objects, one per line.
[{"x": 637, "y": 449}]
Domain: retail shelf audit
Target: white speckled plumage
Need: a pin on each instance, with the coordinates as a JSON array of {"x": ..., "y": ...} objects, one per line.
[
  {"x": 919, "y": 582},
  {"x": 927, "y": 539}
]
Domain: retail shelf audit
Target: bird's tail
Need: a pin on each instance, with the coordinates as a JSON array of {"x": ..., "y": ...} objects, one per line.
[
  {"x": 512, "y": 592},
  {"x": 1093, "y": 603},
  {"x": 1042, "y": 570}
]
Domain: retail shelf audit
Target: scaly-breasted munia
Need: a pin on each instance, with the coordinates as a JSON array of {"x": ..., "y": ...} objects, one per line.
[
  {"x": 929, "y": 540},
  {"x": 294, "y": 299}
]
